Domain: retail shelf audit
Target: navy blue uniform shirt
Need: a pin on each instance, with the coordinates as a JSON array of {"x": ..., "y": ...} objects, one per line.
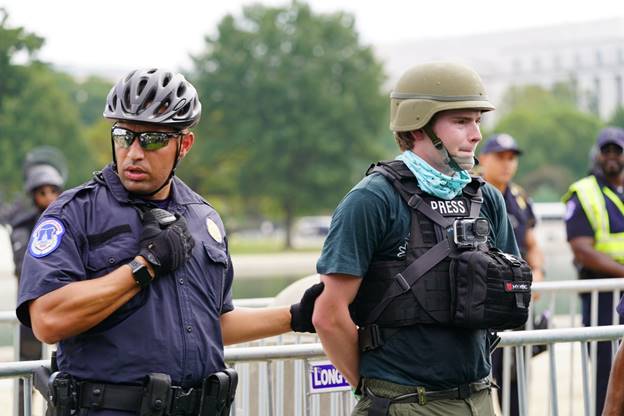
[
  {"x": 520, "y": 212},
  {"x": 170, "y": 327}
]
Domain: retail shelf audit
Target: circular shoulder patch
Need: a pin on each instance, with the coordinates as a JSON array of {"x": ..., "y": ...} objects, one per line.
[
  {"x": 46, "y": 237},
  {"x": 213, "y": 230}
]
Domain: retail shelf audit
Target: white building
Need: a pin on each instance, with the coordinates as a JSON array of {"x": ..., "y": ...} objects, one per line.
[{"x": 590, "y": 55}]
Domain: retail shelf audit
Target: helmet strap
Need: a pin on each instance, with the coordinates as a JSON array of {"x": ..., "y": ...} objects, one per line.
[{"x": 437, "y": 142}]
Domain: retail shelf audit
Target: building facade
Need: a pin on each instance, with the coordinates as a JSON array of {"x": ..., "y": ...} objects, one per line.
[{"x": 588, "y": 55}]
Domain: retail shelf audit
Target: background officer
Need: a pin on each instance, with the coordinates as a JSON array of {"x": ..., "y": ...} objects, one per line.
[
  {"x": 498, "y": 163},
  {"x": 45, "y": 172},
  {"x": 595, "y": 227},
  {"x": 435, "y": 115},
  {"x": 128, "y": 291}
]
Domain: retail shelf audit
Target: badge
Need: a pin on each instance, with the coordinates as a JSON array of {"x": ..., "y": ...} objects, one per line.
[
  {"x": 46, "y": 237},
  {"x": 506, "y": 140},
  {"x": 213, "y": 230}
]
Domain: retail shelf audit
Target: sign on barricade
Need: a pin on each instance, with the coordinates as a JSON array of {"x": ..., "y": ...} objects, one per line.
[{"x": 324, "y": 378}]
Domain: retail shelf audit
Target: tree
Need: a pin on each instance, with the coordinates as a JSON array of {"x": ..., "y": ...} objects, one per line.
[
  {"x": 41, "y": 113},
  {"x": 618, "y": 118},
  {"x": 556, "y": 138},
  {"x": 293, "y": 105},
  {"x": 12, "y": 41}
]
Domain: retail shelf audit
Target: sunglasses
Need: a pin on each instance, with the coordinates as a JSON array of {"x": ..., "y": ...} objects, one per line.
[
  {"x": 611, "y": 148},
  {"x": 149, "y": 140}
]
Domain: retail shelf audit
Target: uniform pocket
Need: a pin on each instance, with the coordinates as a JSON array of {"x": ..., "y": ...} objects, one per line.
[
  {"x": 119, "y": 247},
  {"x": 218, "y": 265}
]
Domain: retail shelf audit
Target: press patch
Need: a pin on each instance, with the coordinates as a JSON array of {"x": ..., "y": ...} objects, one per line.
[{"x": 46, "y": 237}]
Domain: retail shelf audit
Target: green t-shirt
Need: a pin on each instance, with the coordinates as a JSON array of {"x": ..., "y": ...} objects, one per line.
[{"x": 372, "y": 221}]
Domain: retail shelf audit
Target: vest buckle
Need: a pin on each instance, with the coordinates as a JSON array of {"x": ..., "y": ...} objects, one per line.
[{"x": 370, "y": 337}]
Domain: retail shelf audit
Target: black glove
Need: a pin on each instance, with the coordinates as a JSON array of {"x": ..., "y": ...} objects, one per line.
[
  {"x": 301, "y": 313},
  {"x": 165, "y": 244}
]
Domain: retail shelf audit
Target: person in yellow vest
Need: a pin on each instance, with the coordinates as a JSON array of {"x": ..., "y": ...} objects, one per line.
[{"x": 595, "y": 229}]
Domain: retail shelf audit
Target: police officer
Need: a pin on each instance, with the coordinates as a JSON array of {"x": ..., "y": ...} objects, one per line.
[
  {"x": 595, "y": 227},
  {"x": 130, "y": 272},
  {"x": 498, "y": 164},
  {"x": 412, "y": 359},
  {"x": 43, "y": 183}
]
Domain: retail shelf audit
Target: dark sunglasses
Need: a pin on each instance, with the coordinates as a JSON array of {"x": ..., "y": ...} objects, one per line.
[
  {"x": 611, "y": 148},
  {"x": 149, "y": 140}
]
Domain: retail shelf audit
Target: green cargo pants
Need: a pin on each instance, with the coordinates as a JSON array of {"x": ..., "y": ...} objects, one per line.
[{"x": 478, "y": 404}]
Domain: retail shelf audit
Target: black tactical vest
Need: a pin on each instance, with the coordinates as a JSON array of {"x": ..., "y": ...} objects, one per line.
[{"x": 429, "y": 301}]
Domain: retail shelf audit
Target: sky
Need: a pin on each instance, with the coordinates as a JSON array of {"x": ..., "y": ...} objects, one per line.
[{"x": 123, "y": 34}]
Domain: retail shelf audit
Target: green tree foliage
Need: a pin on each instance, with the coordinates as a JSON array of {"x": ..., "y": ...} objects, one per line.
[
  {"x": 14, "y": 40},
  {"x": 40, "y": 114},
  {"x": 90, "y": 95},
  {"x": 37, "y": 107},
  {"x": 556, "y": 138},
  {"x": 293, "y": 107},
  {"x": 618, "y": 118}
]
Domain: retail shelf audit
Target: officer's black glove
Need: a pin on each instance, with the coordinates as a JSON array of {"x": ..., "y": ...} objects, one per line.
[
  {"x": 166, "y": 245},
  {"x": 301, "y": 313}
]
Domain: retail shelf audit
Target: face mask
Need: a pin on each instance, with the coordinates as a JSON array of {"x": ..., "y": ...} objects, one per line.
[
  {"x": 464, "y": 162},
  {"x": 432, "y": 181}
]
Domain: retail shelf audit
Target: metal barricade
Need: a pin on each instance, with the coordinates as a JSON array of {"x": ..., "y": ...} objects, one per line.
[
  {"x": 340, "y": 403},
  {"x": 553, "y": 291},
  {"x": 267, "y": 382}
]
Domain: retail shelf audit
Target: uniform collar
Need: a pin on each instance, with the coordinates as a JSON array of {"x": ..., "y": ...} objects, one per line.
[
  {"x": 602, "y": 181},
  {"x": 181, "y": 194}
]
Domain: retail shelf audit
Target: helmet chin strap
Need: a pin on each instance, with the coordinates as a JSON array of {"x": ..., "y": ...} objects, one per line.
[
  {"x": 171, "y": 174},
  {"x": 458, "y": 164}
]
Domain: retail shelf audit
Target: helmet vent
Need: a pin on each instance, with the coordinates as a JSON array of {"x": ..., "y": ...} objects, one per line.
[
  {"x": 141, "y": 86},
  {"x": 164, "y": 106},
  {"x": 166, "y": 79},
  {"x": 114, "y": 103},
  {"x": 184, "y": 110},
  {"x": 126, "y": 97},
  {"x": 129, "y": 76},
  {"x": 181, "y": 89},
  {"x": 148, "y": 100},
  {"x": 151, "y": 71}
]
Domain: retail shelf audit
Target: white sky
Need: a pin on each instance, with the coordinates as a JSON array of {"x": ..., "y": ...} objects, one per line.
[{"x": 138, "y": 33}]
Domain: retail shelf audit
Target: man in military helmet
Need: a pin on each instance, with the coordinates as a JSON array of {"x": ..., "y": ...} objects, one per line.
[
  {"x": 131, "y": 275},
  {"x": 384, "y": 317},
  {"x": 595, "y": 228},
  {"x": 498, "y": 159}
]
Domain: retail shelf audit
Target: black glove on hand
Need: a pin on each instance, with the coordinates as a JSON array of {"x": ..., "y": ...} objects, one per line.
[
  {"x": 166, "y": 246},
  {"x": 301, "y": 313}
]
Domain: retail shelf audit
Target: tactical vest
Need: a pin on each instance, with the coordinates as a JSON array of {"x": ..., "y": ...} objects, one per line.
[{"x": 424, "y": 288}]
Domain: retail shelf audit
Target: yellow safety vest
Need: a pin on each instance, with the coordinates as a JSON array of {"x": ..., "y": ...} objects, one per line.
[{"x": 590, "y": 194}]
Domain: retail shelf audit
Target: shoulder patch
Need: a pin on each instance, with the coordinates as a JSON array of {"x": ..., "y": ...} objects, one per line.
[{"x": 46, "y": 237}]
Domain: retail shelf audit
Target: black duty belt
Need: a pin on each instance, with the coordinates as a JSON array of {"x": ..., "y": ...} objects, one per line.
[
  {"x": 128, "y": 398},
  {"x": 422, "y": 396},
  {"x": 157, "y": 397}
]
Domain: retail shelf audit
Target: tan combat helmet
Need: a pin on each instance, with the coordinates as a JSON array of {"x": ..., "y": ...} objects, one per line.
[{"x": 427, "y": 89}]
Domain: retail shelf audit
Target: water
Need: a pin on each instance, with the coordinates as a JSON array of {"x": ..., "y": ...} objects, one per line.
[{"x": 261, "y": 287}]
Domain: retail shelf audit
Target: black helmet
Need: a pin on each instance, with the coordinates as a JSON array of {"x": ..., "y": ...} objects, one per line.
[
  {"x": 41, "y": 175},
  {"x": 44, "y": 165},
  {"x": 154, "y": 96}
]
